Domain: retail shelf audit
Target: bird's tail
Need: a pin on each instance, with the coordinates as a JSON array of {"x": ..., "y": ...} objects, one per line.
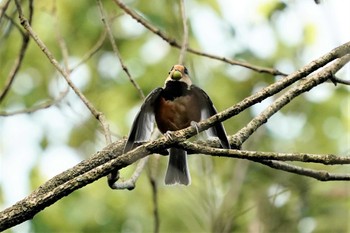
[{"x": 177, "y": 172}]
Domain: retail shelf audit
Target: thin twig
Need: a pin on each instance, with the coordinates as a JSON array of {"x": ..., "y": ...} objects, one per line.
[
  {"x": 44, "y": 105},
  {"x": 18, "y": 62},
  {"x": 184, "y": 45},
  {"x": 336, "y": 80},
  {"x": 98, "y": 115},
  {"x": 116, "y": 51},
  {"x": 16, "y": 25},
  {"x": 327, "y": 159},
  {"x": 92, "y": 51},
  {"x": 320, "y": 175},
  {"x": 61, "y": 42},
  {"x": 155, "y": 204},
  {"x": 130, "y": 183},
  {"x": 172, "y": 42},
  {"x": 3, "y": 8}
]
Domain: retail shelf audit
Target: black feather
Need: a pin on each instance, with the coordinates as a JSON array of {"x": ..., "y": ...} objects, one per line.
[
  {"x": 209, "y": 110},
  {"x": 142, "y": 126}
]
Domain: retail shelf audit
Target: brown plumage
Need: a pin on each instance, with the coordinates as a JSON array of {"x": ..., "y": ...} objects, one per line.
[{"x": 174, "y": 107}]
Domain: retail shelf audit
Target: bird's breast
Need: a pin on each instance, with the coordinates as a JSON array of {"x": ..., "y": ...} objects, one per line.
[{"x": 172, "y": 115}]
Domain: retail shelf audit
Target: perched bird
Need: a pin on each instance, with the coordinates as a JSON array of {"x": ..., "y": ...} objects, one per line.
[{"x": 175, "y": 106}]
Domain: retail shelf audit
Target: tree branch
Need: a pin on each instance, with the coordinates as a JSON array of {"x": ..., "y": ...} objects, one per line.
[
  {"x": 184, "y": 45},
  {"x": 116, "y": 51},
  {"x": 98, "y": 115},
  {"x": 320, "y": 175},
  {"x": 304, "y": 86},
  {"x": 172, "y": 42},
  {"x": 46, "y": 104},
  {"x": 92, "y": 51},
  {"x": 18, "y": 62},
  {"x": 327, "y": 159}
]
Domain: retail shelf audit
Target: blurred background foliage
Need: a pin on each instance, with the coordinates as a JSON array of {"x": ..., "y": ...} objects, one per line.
[{"x": 226, "y": 195}]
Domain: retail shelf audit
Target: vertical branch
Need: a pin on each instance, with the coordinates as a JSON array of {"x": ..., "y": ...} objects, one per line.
[
  {"x": 115, "y": 49},
  {"x": 3, "y": 8},
  {"x": 18, "y": 62},
  {"x": 184, "y": 45},
  {"x": 151, "y": 172},
  {"x": 60, "y": 39},
  {"x": 155, "y": 204}
]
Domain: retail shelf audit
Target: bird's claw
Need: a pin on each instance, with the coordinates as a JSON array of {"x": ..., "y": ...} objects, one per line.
[
  {"x": 195, "y": 124},
  {"x": 169, "y": 135}
]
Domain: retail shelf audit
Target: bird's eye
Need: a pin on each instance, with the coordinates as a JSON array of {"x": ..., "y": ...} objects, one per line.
[{"x": 186, "y": 71}]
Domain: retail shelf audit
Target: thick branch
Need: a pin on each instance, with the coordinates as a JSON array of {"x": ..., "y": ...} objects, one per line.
[{"x": 110, "y": 158}]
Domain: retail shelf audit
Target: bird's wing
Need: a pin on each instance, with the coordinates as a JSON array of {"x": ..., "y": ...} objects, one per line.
[
  {"x": 144, "y": 121},
  {"x": 208, "y": 110}
]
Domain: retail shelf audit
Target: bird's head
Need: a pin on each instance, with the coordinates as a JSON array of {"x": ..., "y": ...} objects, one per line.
[{"x": 179, "y": 73}]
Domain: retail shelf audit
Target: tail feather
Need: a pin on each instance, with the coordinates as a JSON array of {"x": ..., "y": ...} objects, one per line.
[{"x": 177, "y": 172}]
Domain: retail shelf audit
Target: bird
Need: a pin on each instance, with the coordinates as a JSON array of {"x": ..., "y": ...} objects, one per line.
[{"x": 177, "y": 105}]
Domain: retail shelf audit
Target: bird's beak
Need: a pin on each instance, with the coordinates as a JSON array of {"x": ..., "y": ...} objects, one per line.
[{"x": 176, "y": 75}]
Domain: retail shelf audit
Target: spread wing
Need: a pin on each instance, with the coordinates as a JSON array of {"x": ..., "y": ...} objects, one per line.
[
  {"x": 208, "y": 110},
  {"x": 144, "y": 121}
]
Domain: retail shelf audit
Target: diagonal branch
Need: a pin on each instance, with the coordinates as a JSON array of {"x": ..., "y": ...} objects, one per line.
[
  {"x": 172, "y": 42},
  {"x": 92, "y": 51},
  {"x": 304, "y": 86},
  {"x": 98, "y": 115},
  {"x": 116, "y": 50}
]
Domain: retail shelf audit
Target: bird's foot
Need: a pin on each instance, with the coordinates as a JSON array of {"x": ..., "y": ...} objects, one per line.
[
  {"x": 195, "y": 124},
  {"x": 169, "y": 135}
]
